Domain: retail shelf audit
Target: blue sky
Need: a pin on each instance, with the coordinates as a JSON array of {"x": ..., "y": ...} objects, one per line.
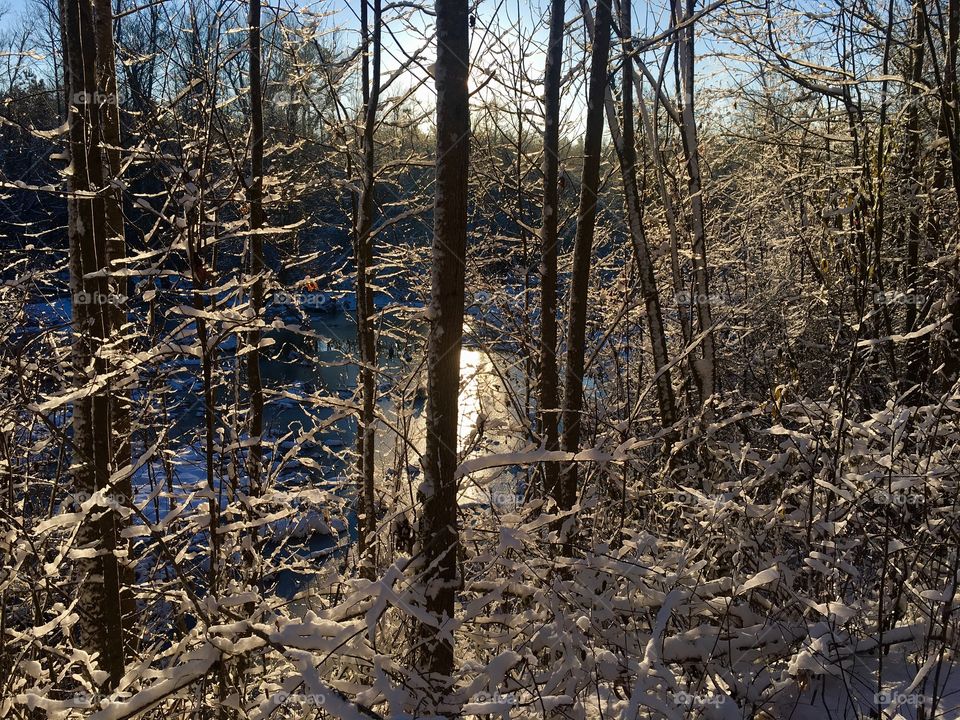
[{"x": 501, "y": 27}]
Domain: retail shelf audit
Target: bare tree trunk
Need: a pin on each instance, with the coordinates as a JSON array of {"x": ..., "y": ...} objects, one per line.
[
  {"x": 670, "y": 213},
  {"x": 257, "y": 265},
  {"x": 582, "y": 250},
  {"x": 653, "y": 141},
  {"x": 911, "y": 165},
  {"x": 367, "y": 514},
  {"x": 438, "y": 533},
  {"x": 625, "y": 145},
  {"x": 116, "y": 250},
  {"x": 951, "y": 92},
  {"x": 706, "y": 369},
  {"x": 200, "y": 277},
  {"x": 950, "y": 126},
  {"x": 548, "y": 381},
  {"x": 101, "y": 625}
]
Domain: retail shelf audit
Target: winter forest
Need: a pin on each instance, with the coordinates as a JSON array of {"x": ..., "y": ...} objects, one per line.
[{"x": 479, "y": 359}]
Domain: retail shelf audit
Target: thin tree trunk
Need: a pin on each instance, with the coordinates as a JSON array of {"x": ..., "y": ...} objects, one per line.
[
  {"x": 625, "y": 145},
  {"x": 548, "y": 381},
  {"x": 100, "y": 608},
  {"x": 116, "y": 250},
  {"x": 653, "y": 141},
  {"x": 950, "y": 124},
  {"x": 911, "y": 164},
  {"x": 367, "y": 515},
  {"x": 706, "y": 367},
  {"x": 670, "y": 213},
  {"x": 257, "y": 265},
  {"x": 438, "y": 533},
  {"x": 949, "y": 106},
  {"x": 582, "y": 250}
]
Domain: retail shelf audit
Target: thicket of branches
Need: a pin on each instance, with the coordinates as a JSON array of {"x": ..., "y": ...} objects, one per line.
[{"x": 705, "y": 260}]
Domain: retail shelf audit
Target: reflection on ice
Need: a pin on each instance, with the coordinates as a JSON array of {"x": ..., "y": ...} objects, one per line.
[{"x": 485, "y": 425}]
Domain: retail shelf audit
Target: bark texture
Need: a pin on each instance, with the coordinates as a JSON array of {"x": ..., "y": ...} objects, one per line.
[
  {"x": 95, "y": 325},
  {"x": 706, "y": 366},
  {"x": 582, "y": 250},
  {"x": 257, "y": 265},
  {"x": 363, "y": 251},
  {"x": 438, "y": 532},
  {"x": 548, "y": 381},
  {"x": 625, "y": 144}
]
